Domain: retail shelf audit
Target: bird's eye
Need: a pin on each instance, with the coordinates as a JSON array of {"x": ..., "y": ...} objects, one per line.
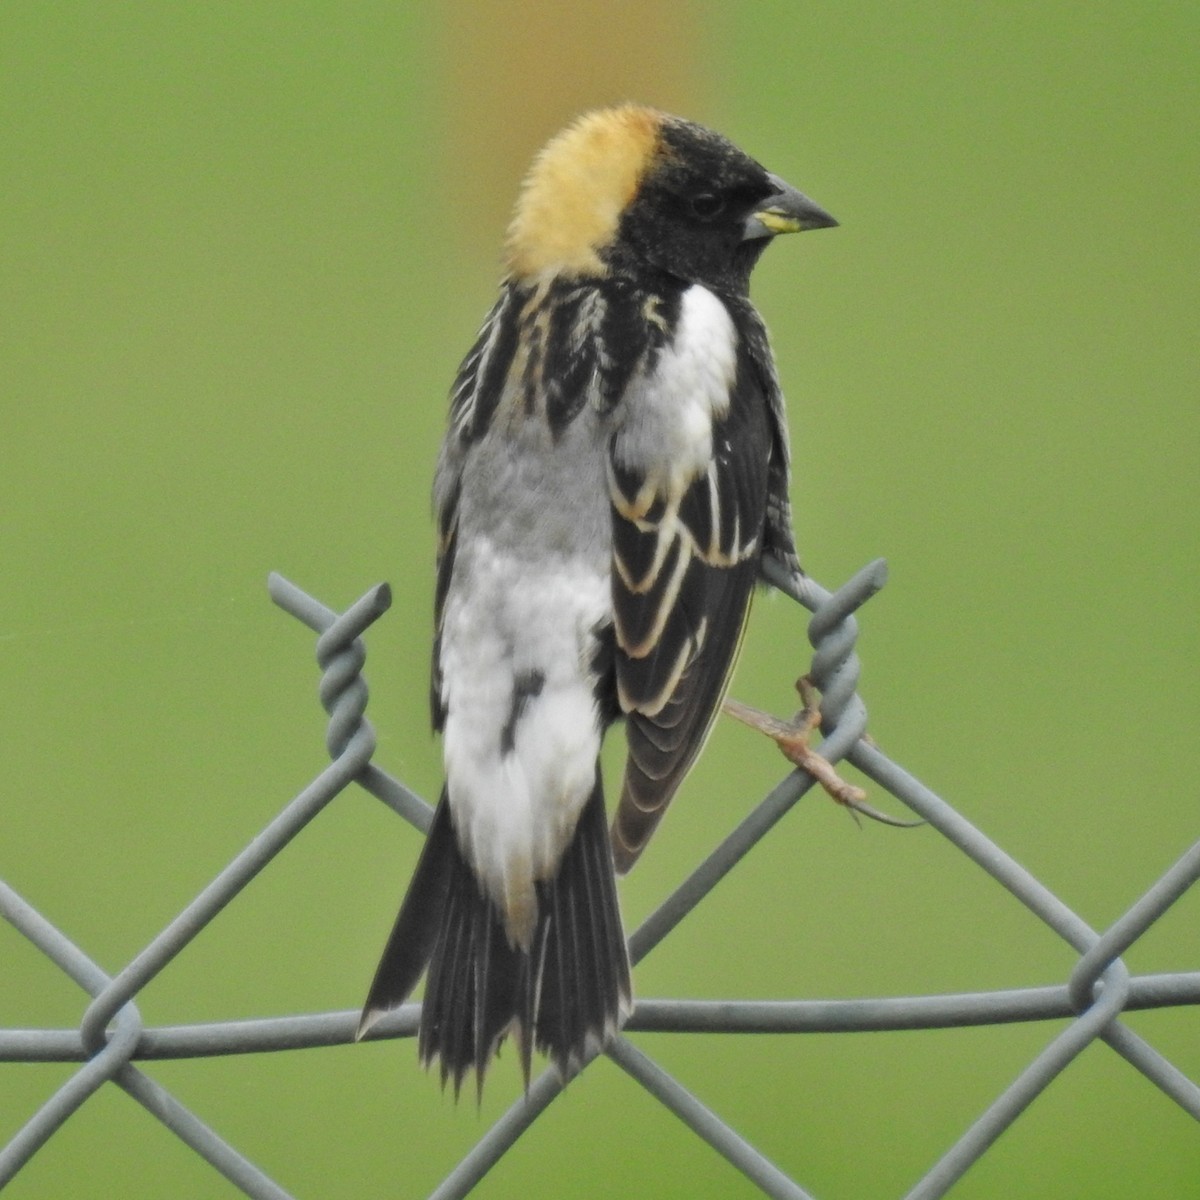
[{"x": 707, "y": 205}]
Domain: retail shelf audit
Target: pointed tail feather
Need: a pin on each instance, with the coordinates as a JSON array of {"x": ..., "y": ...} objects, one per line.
[
  {"x": 415, "y": 932},
  {"x": 585, "y": 992},
  {"x": 567, "y": 995}
]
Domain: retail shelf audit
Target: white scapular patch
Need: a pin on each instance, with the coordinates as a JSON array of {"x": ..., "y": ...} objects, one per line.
[{"x": 668, "y": 419}]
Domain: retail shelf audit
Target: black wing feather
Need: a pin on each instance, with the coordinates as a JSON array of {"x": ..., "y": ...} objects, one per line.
[{"x": 684, "y": 571}]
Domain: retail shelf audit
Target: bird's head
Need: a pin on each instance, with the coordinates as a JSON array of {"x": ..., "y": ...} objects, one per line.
[{"x": 630, "y": 188}]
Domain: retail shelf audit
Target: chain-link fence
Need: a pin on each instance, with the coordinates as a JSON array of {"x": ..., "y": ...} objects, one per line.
[{"x": 112, "y": 1037}]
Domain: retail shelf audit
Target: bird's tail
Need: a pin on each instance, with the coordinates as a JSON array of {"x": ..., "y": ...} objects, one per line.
[{"x": 567, "y": 994}]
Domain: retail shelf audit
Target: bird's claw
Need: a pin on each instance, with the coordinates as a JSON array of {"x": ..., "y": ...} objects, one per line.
[{"x": 792, "y": 739}]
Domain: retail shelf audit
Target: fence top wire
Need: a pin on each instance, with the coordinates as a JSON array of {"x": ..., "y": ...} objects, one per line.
[{"x": 112, "y": 1037}]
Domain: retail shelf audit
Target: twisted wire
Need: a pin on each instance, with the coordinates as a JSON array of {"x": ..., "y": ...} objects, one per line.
[
  {"x": 882, "y": 1014},
  {"x": 110, "y": 1048},
  {"x": 112, "y": 1063},
  {"x": 111, "y": 1034},
  {"x": 835, "y": 671},
  {"x": 833, "y": 632},
  {"x": 1098, "y": 1021}
]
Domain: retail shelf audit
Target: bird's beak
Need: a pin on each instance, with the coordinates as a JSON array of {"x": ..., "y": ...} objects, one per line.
[{"x": 786, "y": 211}]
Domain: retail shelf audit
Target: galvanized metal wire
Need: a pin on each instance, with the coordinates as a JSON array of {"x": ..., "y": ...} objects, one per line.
[{"x": 111, "y": 1036}]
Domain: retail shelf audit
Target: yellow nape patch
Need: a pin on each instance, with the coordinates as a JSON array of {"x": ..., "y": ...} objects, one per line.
[{"x": 573, "y": 197}]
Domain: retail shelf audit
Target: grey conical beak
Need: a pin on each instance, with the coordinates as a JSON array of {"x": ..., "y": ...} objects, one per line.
[{"x": 785, "y": 211}]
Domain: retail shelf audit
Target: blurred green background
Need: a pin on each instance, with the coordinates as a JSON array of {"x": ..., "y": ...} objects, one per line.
[{"x": 243, "y": 248}]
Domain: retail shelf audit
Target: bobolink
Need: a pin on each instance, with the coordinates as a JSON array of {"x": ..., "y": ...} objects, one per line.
[{"x": 615, "y": 468}]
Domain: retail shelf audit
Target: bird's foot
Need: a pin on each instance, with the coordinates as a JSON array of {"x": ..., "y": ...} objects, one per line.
[{"x": 792, "y": 739}]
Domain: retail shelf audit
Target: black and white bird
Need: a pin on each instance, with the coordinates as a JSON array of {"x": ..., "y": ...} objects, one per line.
[{"x": 615, "y": 469}]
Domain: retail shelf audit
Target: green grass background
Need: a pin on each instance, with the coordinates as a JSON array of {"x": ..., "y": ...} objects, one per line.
[{"x": 243, "y": 248}]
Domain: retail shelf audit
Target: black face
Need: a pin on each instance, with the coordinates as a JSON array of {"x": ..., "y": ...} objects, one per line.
[{"x": 689, "y": 215}]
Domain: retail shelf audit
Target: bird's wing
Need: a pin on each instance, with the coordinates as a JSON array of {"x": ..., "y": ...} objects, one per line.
[{"x": 685, "y": 559}]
